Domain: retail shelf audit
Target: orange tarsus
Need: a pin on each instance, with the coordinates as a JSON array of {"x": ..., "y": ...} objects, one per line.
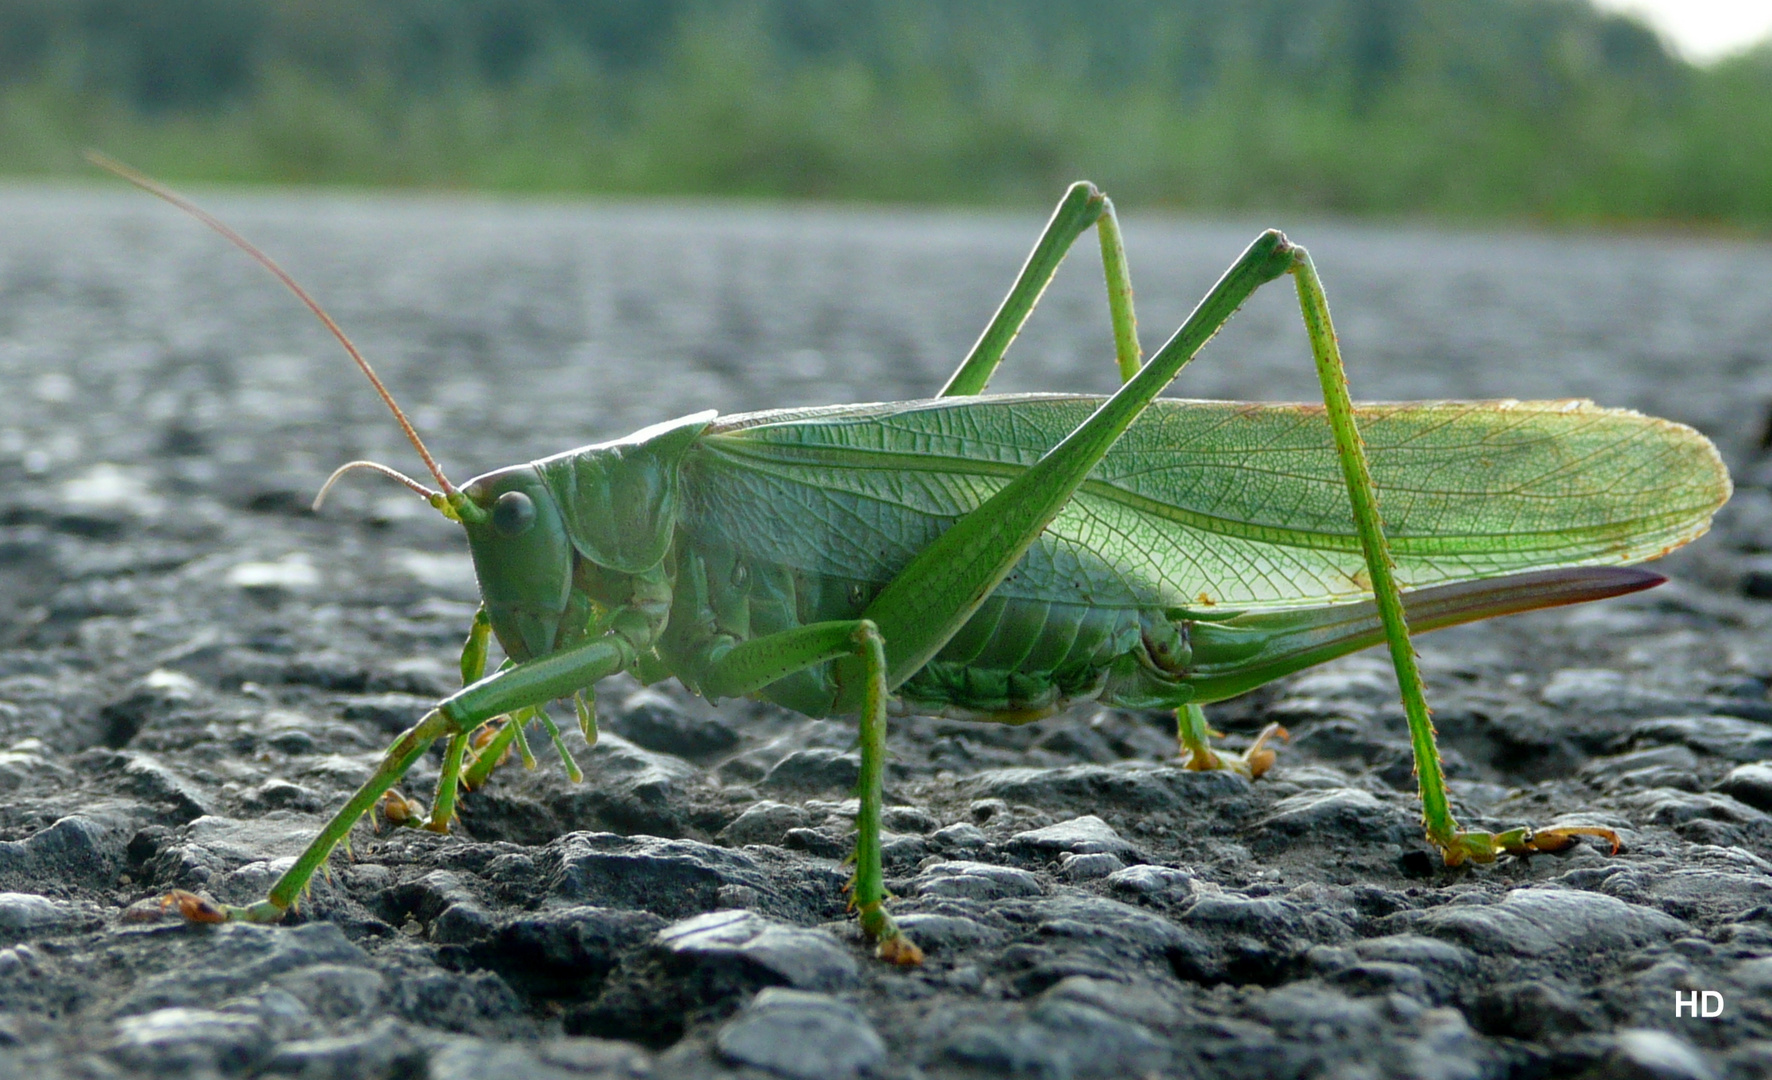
[{"x": 194, "y": 908}]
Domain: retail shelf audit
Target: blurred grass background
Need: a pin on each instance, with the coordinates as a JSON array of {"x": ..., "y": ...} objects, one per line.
[{"x": 1523, "y": 109}]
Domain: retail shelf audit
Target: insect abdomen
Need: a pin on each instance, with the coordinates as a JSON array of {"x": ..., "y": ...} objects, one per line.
[{"x": 1015, "y": 659}]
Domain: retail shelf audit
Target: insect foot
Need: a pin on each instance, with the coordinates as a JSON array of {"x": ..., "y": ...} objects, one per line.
[
  {"x": 1484, "y": 847},
  {"x": 192, "y": 907},
  {"x": 894, "y": 947},
  {"x": 1197, "y": 753}
]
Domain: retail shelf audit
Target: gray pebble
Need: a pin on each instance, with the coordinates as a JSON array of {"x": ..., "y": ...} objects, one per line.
[
  {"x": 76, "y": 848},
  {"x": 763, "y": 822},
  {"x": 1642, "y": 1054},
  {"x": 1132, "y": 786},
  {"x": 976, "y": 881},
  {"x": 1141, "y": 1002},
  {"x": 1548, "y": 922},
  {"x": 1721, "y": 736},
  {"x": 277, "y": 794},
  {"x": 1671, "y": 806},
  {"x": 802, "y": 1036},
  {"x": 797, "y": 957},
  {"x": 26, "y": 914},
  {"x": 1059, "y": 1038},
  {"x": 1089, "y": 867},
  {"x": 1153, "y": 882},
  {"x": 180, "y": 1040},
  {"x": 669, "y": 877},
  {"x": 1085, "y": 835},
  {"x": 384, "y": 1049},
  {"x": 1535, "y": 1009},
  {"x": 561, "y": 1059},
  {"x": 816, "y": 769},
  {"x": 939, "y": 932},
  {"x": 1330, "y": 813},
  {"x": 1751, "y": 784},
  {"x": 961, "y": 836},
  {"x": 654, "y": 721}
]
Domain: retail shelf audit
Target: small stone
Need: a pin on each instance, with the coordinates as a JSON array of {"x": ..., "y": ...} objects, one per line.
[
  {"x": 961, "y": 836},
  {"x": 1642, "y": 768},
  {"x": 1379, "y": 977},
  {"x": 1132, "y": 786},
  {"x": 778, "y": 953},
  {"x": 427, "y": 897},
  {"x": 1671, "y": 806},
  {"x": 277, "y": 794},
  {"x": 1140, "y": 1002},
  {"x": 462, "y": 924},
  {"x": 1534, "y": 1010},
  {"x": 816, "y": 769},
  {"x": 1720, "y": 736},
  {"x": 145, "y": 777},
  {"x": 384, "y": 1049},
  {"x": 336, "y": 991},
  {"x": 1751, "y": 784},
  {"x": 1060, "y": 1038},
  {"x": 966, "y": 880},
  {"x": 1335, "y": 812},
  {"x": 1548, "y": 922},
  {"x": 669, "y": 877},
  {"x": 802, "y": 1036},
  {"x": 183, "y": 1041},
  {"x": 763, "y": 823},
  {"x": 1108, "y": 924},
  {"x": 1642, "y": 1054},
  {"x": 556, "y": 1059},
  {"x": 26, "y": 914},
  {"x": 1266, "y": 917},
  {"x": 1085, "y": 835},
  {"x": 75, "y": 849},
  {"x": 938, "y": 933},
  {"x": 1755, "y": 974},
  {"x": 235, "y": 957},
  {"x": 1427, "y": 953},
  {"x": 652, "y": 720},
  {"x": 565, "y": 951},
  {"x": 1592, "y": 689},
  {"x": 825, "y": 843},
  {"x": 1153, "y": 882},
  {"x": 293, "y": 743},
  {"x": 598, "y": 1058},
  {"x": 1089, "y": 867},
  {"x": 910, "y": 820},
  {"x": 1692, "y": 892}
]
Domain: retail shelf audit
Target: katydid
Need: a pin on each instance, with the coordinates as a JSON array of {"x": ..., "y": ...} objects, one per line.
[{"x": 996, "y": 558}]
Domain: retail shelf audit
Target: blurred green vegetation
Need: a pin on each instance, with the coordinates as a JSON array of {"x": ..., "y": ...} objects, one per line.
[{"x": 1539, "y": 109}]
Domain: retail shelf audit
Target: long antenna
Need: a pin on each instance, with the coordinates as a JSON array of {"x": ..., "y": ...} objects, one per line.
[{"x": 155, "y": 188}]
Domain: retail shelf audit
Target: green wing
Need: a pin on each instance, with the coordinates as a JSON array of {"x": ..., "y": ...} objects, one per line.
[{"x": 1212, "y": 502}]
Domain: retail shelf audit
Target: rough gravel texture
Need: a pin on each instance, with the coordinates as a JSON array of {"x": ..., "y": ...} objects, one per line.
[{"x": 194, "y": 669}]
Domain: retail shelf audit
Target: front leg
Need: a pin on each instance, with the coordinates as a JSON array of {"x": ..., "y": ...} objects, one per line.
[
  {"x": 518, "y": 687},
  {"x": 473, "y": 669}
]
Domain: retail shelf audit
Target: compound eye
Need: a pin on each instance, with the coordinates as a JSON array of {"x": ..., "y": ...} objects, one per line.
[{"x": 512, "y": 514}]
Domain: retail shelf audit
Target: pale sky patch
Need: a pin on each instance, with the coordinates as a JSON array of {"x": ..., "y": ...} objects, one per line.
[{"x": 1703, "y": 30}]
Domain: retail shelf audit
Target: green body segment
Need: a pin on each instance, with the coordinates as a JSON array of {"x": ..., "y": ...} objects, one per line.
[{"x": 1200, "y": 510}]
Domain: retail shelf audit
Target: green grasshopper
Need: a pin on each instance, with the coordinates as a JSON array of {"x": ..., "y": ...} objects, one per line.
[{"x": 996, "y": 558}]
